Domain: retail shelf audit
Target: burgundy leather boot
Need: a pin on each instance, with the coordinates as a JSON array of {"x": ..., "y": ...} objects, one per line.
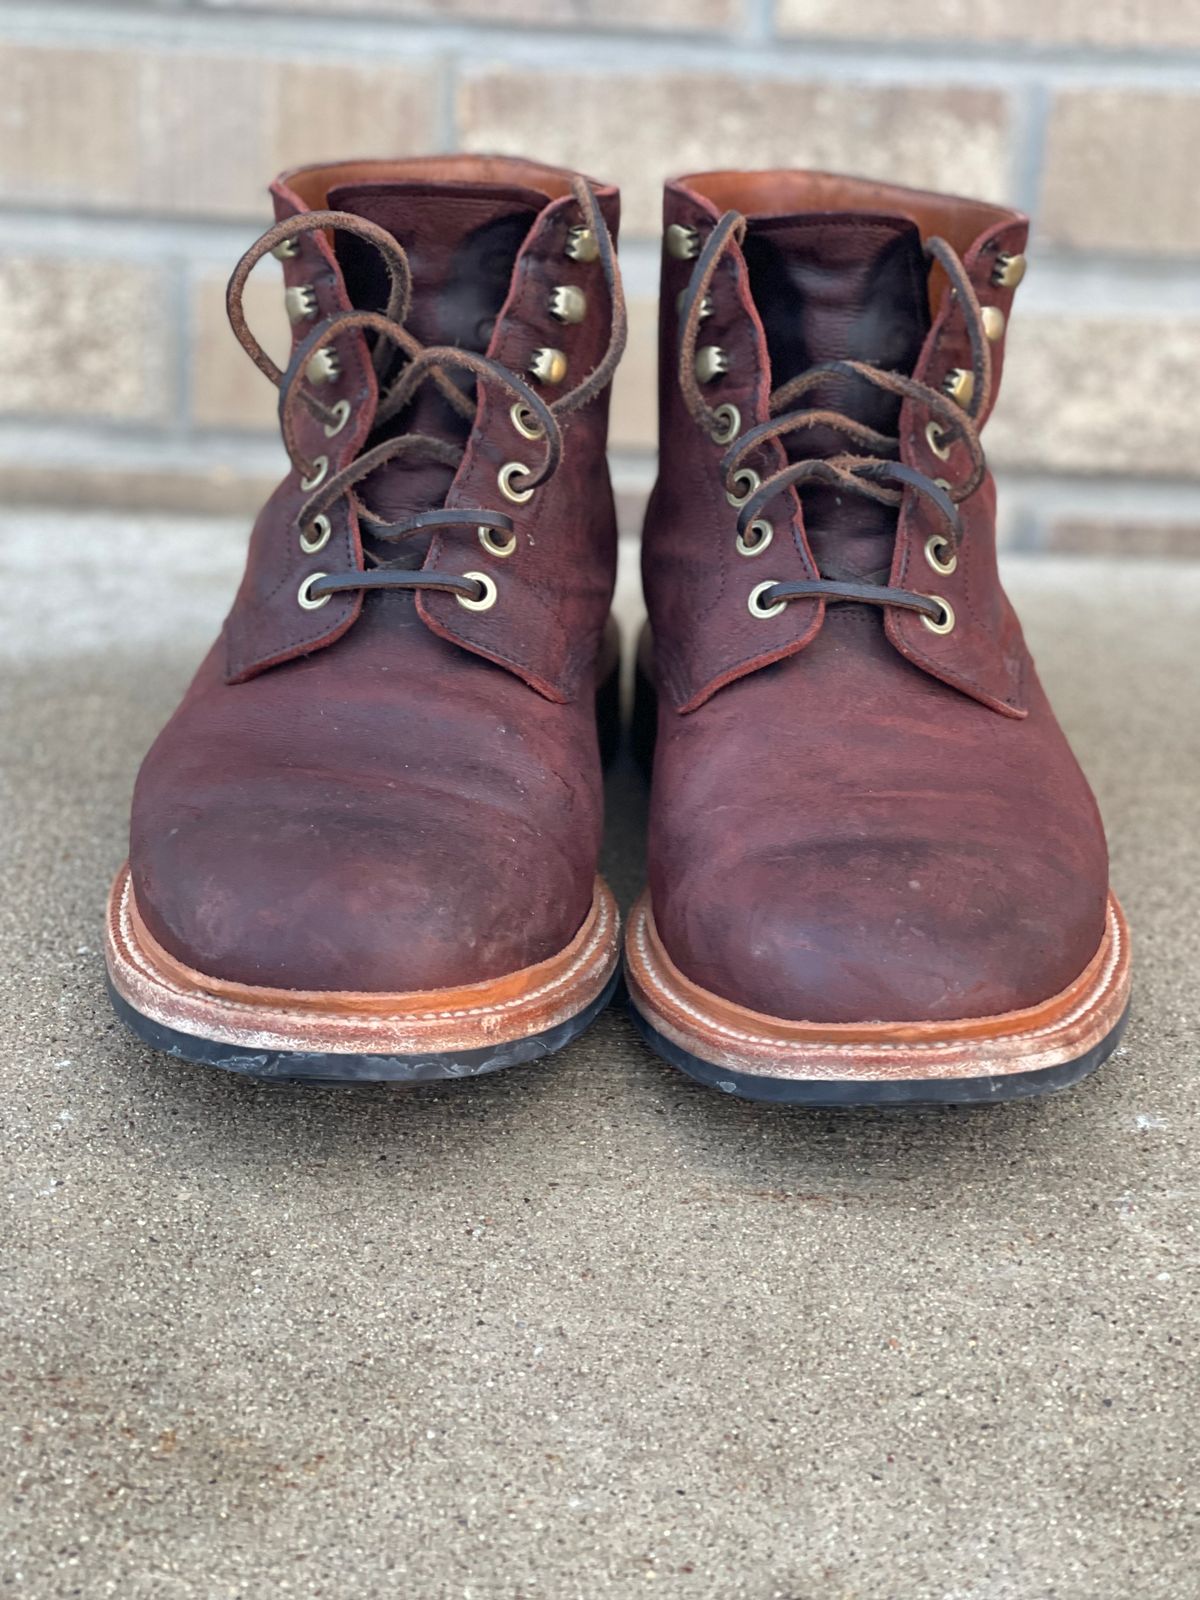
[
  {"x": 365, "y": 845},
  {"x": 876, "y": 873}
]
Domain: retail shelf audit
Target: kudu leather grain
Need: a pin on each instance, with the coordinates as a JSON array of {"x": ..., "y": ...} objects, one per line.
[
  {"x": 852, "y": 819},
  {"x": 391, "y": 792}
]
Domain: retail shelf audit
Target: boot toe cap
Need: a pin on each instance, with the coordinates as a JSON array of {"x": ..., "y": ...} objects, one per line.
[
  {"x": 897, "y": 934},
  {"x": 341, "y": 899}
]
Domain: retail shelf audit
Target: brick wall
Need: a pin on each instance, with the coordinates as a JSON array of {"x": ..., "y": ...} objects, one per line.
[{"x": 136, "y": 140}]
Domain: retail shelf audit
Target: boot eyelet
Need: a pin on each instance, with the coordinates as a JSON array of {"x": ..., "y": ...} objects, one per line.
[
  {"x": 581, "y": 244},
  {"x": 763, "y": 534},
  {"x": 712, "y": 362},
  {"x": 300, "y": 302},
  {"x": 548, "y": 365},
  {"x": 319, "y": 469},
  {"x": 568, "y": 304},
  {"x": 490, "y": 540},
  {"x": 946, "y": 625},
  {"x": 504, "y": 478},
  {"x": 993, "y": 324},
  {"x": 323, "y": 366},
  {"x": 750, "y": 481},
  {"x": 286, "y": 249},
  {"x": 959, "y": 384},
  {"x": 322, "y": 532},
  {"x": 486, "y": 600},
  {"x": 706, "y": 305},
  {"x": 754, "y": 602},
  {"x": 305, "y": 595},
  {"x": 341, "y": 415},
  {"x": 1008, "y": 270},
  {"x": 935, "y": 438},
  {"x": 934, "y": 545},
  {"x": 726, "y": 430},
  {"x": 683, "y": 242},
  {"x": 526, "y": 424}
]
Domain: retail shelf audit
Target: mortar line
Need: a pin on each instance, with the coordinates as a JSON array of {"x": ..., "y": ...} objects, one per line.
[
  {"x": 758, "y": 22},
  {"x": 448, "y": 106},
  {"x": 264, "y": 30},
  {"x": 1031, "y": 117}
]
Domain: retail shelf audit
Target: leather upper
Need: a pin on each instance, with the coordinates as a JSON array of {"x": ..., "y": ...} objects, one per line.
[
  {"x": 392, "y": 792},
  {"x": 389, "y": 814},
  {"x": 691, "y": 562},
  {"x": 548, "y": 625},
  {"x": 853, "y": 818}
]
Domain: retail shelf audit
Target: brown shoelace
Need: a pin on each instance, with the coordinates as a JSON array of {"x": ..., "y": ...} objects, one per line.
[
  {"x": 876, "y": 473},
  {"x": 422, "y": 363}
]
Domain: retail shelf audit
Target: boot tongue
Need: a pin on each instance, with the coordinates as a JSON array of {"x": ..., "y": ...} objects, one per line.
[
  {"x": 830, "y": 287},
  {"x": 461, "y": 240}
]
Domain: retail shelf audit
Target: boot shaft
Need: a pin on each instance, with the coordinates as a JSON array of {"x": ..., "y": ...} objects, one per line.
[
  {"x": 499, "y": 260},
  {"x": 813, "y": 271}
]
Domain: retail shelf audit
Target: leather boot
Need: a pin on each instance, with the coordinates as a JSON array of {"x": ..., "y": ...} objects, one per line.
[
  {"x": 365, "y": 845},
  {"x": 876, "y": 872}
]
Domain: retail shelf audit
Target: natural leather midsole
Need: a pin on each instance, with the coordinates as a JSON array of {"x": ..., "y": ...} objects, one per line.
[
  {"x": 716, "y": 1030},
  {"x": 516, "y": 1006}
]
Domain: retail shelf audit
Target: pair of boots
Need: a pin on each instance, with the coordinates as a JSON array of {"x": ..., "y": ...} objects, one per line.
[{"x": 365, "y": 846}]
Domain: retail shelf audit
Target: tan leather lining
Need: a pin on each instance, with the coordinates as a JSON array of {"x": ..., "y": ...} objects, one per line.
[
  {"x": 313, "y": 184},
  {"x": 783, "y": 192}
]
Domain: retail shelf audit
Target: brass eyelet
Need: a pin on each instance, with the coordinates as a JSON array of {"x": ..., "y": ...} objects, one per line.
[
  {"x": 300, "y": 302},
  {"x": 341, "y": 412},
  {"x": 320, "y": 468},
  {"x": 959, "y": 384},
  {"x": 1008, "y": 270},
  {"x": 490, "y": 541},
  {"x": 751, "y": 480},
  {"x": 993, "y": 323},
  {"x": 582, "y": 244},
  {"x": 525, "y": 422},
  {"x": 504, "y": 478},
  {"x": 323, "y": 366},
  {"x": 568, "y": 304},
  {"x": 305, "y": 594},
  {"x": 712, "y": 362},
  {"x": 759, "y": 610},
  {"x": 934, "y": 543},
  {"x": 755, "y": 547},
  {"x": 946, "y": 625},
  {"x": 683, "y": 242},
  {"x": 935, "y": 438},
  {"x": 547, "y": 365},
  {"x": 730, "y": 424},
  {"x": 486, "y": 600},
  {"x": 319, "y": 538},
  {"x": 706, "y": 305}
]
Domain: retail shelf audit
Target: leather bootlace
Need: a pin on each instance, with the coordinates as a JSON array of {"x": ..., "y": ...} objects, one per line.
[
  {"x": 422, "y": 363},
  {"x": 875, "y": 472}
]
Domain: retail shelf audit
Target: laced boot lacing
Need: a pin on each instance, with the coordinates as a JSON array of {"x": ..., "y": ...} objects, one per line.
[
  {"x": 877, "y": 474},
  {"x": 532, "y": 416}
]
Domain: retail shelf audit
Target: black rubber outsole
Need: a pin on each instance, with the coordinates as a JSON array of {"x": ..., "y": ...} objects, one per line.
[
  {"x": 911, "y": 1093},
  {"x": 330, "y": 1068}
]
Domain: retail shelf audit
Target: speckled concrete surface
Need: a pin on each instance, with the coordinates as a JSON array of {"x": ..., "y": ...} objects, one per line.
[{"x": 583, "y": 1329}]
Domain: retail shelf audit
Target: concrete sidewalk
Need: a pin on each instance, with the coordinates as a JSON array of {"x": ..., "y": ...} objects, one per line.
[{"x": 582, "y": 1329}]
